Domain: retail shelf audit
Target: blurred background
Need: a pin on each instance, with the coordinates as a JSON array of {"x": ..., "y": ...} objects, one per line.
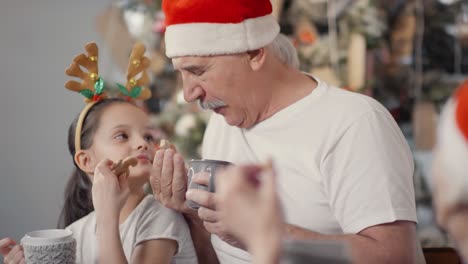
[{"x": 409, "y": 55}]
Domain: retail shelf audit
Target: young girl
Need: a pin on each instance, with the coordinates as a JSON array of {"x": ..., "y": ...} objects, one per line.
[
  {"x": 111, "y": 217},
  {"x": 127, "y": 224}
]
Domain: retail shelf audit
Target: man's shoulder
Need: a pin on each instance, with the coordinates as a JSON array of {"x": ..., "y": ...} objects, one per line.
[{"x": 349, "y": 101}]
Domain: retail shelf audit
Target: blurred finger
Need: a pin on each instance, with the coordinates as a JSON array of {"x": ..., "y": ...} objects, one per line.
[
  {"x": 238, "y": 179},
  {"x": 22, "y": 261},
  {"x": 18, "y": 256},
  {"x": 222, "y": 180},
  {"x": 167, "y": 173},
  {"x": 5, "y": 245},
  {"x": 268, "y": 181},
  {"x": 11, "y": 255}
]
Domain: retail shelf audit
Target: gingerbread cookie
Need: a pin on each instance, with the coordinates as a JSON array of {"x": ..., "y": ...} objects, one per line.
[{"x": 122, "y": 166}]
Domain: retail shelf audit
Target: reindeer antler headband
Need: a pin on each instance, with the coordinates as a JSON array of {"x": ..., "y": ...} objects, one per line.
[{"x": 92, "y": 85}]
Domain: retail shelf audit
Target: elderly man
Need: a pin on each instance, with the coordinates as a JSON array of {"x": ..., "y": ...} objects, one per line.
[
  {"x": 344, "y": 170},
  {"x": 450, "y": 169}
]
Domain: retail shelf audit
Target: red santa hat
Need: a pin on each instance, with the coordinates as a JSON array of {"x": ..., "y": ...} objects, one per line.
[
  {"x": 452, "y": 146},
  {"x": 216, "y": 27}
]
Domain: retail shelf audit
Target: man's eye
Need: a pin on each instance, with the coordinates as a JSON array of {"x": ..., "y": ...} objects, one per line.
[{"x": 196, "y": 71}]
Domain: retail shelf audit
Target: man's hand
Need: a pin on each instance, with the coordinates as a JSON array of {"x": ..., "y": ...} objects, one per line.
[
  {"x": 207, "y": 212},
  {"x": 169, "y": 181}
]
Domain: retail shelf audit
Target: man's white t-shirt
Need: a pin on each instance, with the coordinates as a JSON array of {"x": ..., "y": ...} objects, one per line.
[
  {"x": 341, "y": 160},
  {"x": 149, "y": 220}
]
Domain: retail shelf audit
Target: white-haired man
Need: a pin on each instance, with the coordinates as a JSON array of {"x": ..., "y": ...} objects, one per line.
[{"x": 344, "y": 169}]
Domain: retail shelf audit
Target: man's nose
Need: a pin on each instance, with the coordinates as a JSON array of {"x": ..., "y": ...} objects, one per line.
[{"x": 192, "y": 91}]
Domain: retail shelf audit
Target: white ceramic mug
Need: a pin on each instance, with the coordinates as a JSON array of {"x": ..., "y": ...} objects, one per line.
[{"x": 49, "y": 246}]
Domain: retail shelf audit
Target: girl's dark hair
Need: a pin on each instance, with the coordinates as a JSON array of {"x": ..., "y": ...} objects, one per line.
[{"x": 78, "y": 201}]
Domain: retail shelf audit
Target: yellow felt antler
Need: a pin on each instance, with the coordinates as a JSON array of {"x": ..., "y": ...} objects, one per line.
[
  {"x": 90, "y": 63},
  {"x": 137, "y": 66}
]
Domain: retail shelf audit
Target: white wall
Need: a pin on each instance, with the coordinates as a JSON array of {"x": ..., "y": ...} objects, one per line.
[{"x": 38, "y": 39}]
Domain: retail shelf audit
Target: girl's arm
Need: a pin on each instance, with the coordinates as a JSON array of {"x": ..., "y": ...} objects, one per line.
[
  {"x": 110, "y": 246},
  {"x": 155, "y": 251},
  {"x": 109, "y": 194}
]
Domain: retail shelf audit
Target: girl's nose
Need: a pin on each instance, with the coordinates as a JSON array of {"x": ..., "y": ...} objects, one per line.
[{"x": 142, "y": 144}]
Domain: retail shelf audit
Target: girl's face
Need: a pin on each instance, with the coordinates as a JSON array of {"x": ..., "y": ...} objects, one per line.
[{"x": 124, "y": 131}]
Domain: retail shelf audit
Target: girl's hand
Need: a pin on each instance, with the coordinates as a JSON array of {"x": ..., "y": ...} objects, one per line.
[
  {"x": 109, "y": 192},
  {"x": 11, "y": 252}
]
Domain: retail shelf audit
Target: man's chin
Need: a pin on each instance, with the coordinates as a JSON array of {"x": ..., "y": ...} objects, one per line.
[{"x": 236, "y": 123}]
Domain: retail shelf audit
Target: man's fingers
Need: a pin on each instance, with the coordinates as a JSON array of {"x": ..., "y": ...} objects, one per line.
[
  {"x": 179, "y": 182},
  {"x": 167, "y": 173},
  {"x": 202, "y": 178},
  {"x": 201, "y": 197},
  {"x": 208, "y": 215},
  {"x": 155, "y": 178},
  {"x": 268, "y": 182},
  {"x": 213, "y": 228}
]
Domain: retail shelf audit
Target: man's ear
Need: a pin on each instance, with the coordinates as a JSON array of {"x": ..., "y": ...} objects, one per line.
[
  {"x": 84, "y": 161},
  {"x": 257, "y": 58}
]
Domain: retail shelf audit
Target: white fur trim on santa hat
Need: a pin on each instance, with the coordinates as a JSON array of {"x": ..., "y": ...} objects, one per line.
[
  {"x": 205, "y": 39},
  {"x": 452, "y": 148}
]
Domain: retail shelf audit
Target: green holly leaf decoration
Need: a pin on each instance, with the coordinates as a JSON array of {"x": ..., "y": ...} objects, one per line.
[
  {"x": 87, "y": 93},
  {"x": 99, "y": 86},
  {"x": 123, "y": 90},
  {"x": 136, "y": 91}
]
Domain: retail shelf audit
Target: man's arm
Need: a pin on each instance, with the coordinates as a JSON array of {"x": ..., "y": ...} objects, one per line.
[
  {"x": 386, "y": 243},
  {"x": 202, "y": 242},
  {"x": 169, "y": 183}
]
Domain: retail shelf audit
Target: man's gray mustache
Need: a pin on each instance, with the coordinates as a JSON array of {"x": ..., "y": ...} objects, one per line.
[{"x": 210, "y": 105}]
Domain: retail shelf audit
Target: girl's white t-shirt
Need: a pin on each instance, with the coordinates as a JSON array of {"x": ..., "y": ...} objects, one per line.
[{"x": 149, "y": 220}]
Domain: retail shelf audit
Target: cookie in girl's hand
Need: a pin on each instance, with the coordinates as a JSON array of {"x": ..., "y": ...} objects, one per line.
[{"x": 122, "y": 166}]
